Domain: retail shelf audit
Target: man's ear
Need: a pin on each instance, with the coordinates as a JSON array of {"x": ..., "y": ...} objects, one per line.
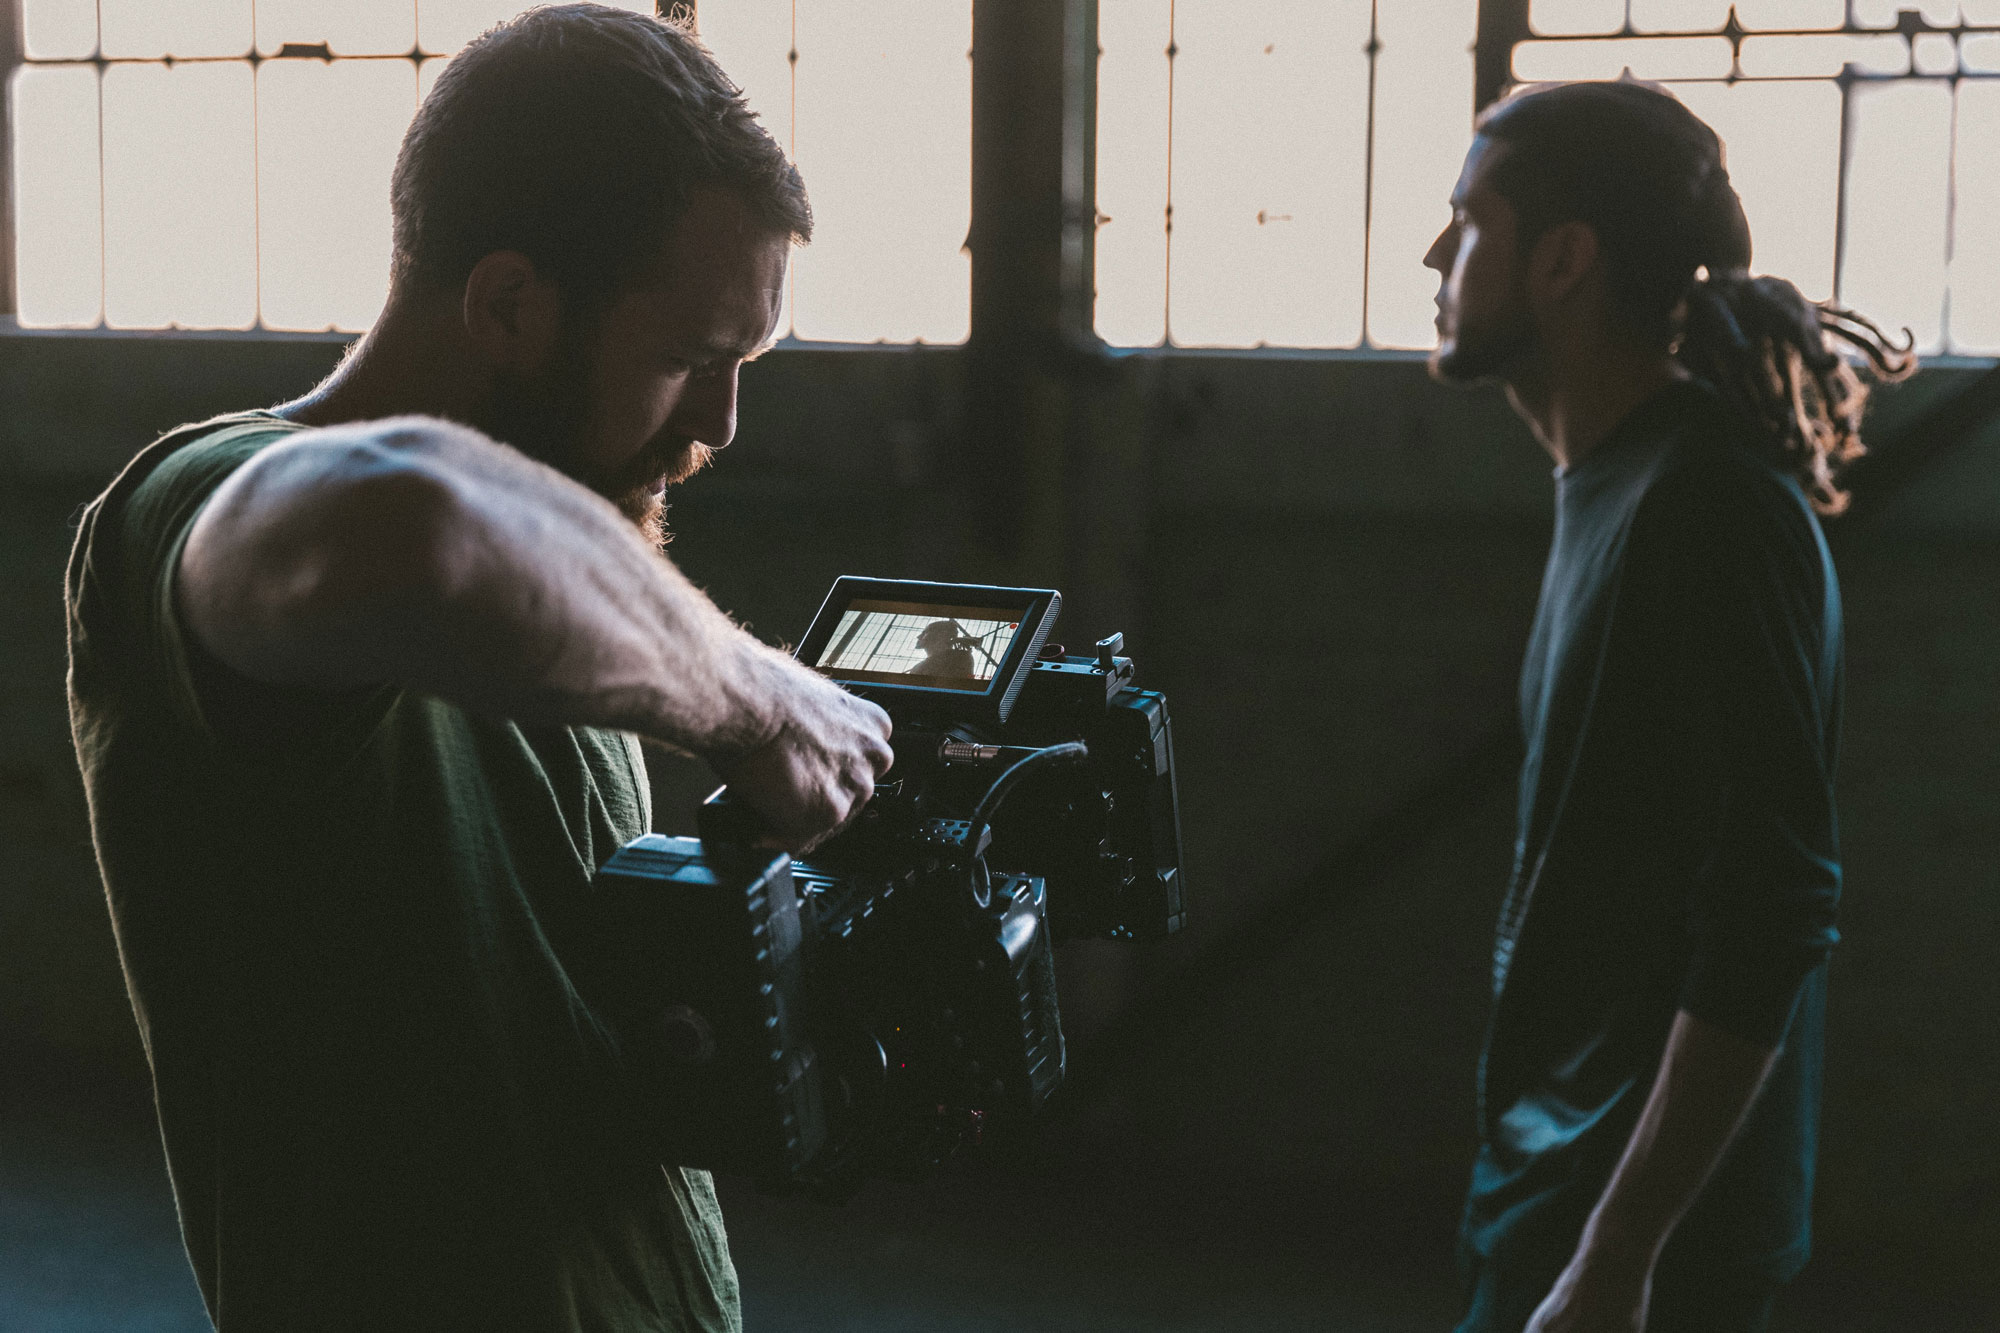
[
  {"x": 512, "y": 313},
  {"x": 1562, "y": 259}
]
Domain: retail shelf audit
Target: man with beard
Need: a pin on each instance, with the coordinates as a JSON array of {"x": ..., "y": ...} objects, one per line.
[
  {"x": 1650, "y": 1082},
  {"x": 355, "y": 685}
]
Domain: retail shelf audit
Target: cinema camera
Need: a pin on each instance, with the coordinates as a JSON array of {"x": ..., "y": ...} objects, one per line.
[{"x": 876, "y": 1008}]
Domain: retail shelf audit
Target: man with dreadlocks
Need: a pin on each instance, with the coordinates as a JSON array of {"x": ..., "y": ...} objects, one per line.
[{"x": 1648, "y": 1094}]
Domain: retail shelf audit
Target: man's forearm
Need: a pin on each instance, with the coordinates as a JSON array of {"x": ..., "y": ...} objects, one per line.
[
  {"x": 423, "y": 555},
  {"x": 1708, "y": 1080}
]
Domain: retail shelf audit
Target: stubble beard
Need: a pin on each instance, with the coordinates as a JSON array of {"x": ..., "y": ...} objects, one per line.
[
  {"x": 547, "y": 417},
  {"x": 640, "y": 502},
  {"x": 1485, "y": 352}
]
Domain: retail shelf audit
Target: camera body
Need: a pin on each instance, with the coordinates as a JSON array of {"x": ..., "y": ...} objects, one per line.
[{"x": 874, "y": 1009}]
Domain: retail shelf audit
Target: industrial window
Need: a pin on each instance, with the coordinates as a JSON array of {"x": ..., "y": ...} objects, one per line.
[
  {"x": 1268, "y": 172},
  {"x": 1271, "y": 173},
  {"x": 873, "y": 100},
  {"x": 1863, "y": 135},
  {"x": 225, "y": 163}
]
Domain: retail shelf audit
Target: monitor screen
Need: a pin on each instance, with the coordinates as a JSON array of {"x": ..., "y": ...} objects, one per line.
[{"x": 928, "y": 645}]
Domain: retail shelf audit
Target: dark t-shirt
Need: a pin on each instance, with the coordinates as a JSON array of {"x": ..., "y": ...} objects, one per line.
[
  {"x": 344, "y": 922},
  {"x": 1676, "y": 840}
]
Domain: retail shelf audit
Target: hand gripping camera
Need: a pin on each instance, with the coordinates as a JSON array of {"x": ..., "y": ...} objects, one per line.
[{"x": 874, "y": 1010}]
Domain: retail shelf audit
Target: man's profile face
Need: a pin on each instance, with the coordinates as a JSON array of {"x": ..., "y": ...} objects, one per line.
[
  {"x": 1483, "y": 322},
  {"x": 642, "y": 396}
]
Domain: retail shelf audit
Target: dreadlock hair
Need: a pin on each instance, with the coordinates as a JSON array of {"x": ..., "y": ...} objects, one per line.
[{"x": 1649, "y": 177}]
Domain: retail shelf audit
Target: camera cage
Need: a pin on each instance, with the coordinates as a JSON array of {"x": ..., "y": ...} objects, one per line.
[{"x": 892, "y": 1001}]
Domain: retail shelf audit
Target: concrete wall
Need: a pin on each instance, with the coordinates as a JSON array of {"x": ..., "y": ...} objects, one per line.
[{"x": 1329, "y": 565}]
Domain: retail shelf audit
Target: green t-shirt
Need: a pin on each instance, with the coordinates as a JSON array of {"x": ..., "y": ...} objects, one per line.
[{"x": 344, "y": 922}]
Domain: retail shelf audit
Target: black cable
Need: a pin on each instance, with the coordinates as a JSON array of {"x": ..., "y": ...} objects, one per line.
[{"x": 989, "y": 805}]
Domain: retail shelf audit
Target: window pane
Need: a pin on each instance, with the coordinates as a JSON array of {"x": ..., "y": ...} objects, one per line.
[
  {"x": 58, "y": 252},
  {"x": 1981, "y": 53},
  {"x": 1783, "y": 142},
  {"x": 1898, "y": 186},
  {"x": 752, "y": 41},
  {"x": 1645, "y": 57},
  {"x": 326, "y": 140},
  {"x": 1132, "y": 127},
  {"x": 445, "y": 25},
  {"x": 884, "y": 140},
  {"x": 1883, "y": 13},
  {"x": 179, "y": 196},
  {"x": 1975, "y": 250},
  {"x": 348, "y": 27},
  {"x": 1679, "y": 15},
  {"x": 1768, "y": 14},
  {"x": 1557, "y": 18},
  {"x": 1270, "y": 117},
  {"x": 1423, "y": 125},
  {"x": 149, "y": 29},
  {"x": 60, "y": 29},
  {"x": 1822, "y": 55},
  {"x": 1933, "y": 53}
]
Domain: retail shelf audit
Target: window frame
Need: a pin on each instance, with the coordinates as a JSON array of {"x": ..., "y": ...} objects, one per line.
[
  {"x": 1504, "y": 25},
  {"x": 1066, "y": 258}
]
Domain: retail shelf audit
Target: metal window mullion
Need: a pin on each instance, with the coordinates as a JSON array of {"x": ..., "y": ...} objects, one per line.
[
  {"x": 1368, "y": 174},
  {"x": 1945, "y": 338},
  {"x": 1167, "y": 256},
  {"x": 1846, "y": 86},
  {"x": 12, "y": 48}
]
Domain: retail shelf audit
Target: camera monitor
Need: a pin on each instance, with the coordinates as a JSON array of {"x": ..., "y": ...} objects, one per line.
[{"x": 965, "y": 643}]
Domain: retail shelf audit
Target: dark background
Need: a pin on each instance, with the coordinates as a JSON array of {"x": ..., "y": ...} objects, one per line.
[{"x": 1329, "y": 564}]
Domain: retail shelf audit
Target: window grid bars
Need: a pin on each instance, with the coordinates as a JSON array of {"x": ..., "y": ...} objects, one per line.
[
  {"x": 1910, "y": 24},
  {"x": 1373, "y": 49},
  {"x": 254, "y": 58}
]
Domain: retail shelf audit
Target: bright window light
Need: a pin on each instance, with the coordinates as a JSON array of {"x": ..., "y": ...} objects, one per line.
[
  {"x": 1679, "y": 15},
  {"x": 352, "y": 28},
  {"x": 1269, "y": 174},
  {"x": 1783, "y": 146},
  {"x": 59, "y": 273},
  {"x": 1898, "y": 199},
  {"x": 184, "y": 29},
  {"x": 180, "y": 205},
  {"x": 1423, "y": 126},
  {"x": 1907, "y": 230},
  {"x": 1252, "y": 140},
  {"x": 1564, "y": 18},
  {"x": 60, "y": 29},
  {"x": 878, "y": 116},
  {"x": 323, "y": 187}
]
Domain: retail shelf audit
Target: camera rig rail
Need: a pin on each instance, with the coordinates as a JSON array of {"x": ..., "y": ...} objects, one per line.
[{"x": 874, "y": 1009}]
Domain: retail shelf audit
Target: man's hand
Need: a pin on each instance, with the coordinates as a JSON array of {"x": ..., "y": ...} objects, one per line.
[
  {"x": 817, "y": 772},
  {"x": 1709, "y": 1078},
  {"x": 1596, "y": 1295}
]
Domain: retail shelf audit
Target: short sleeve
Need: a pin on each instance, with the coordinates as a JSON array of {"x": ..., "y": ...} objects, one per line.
[{"x": 151, "y": 531}]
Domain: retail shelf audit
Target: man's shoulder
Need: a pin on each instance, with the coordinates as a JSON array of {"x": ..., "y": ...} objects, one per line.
[
  {"x": 166, "y": 483},
  {"x": 1718, "y": 506},
  {"x": 1719, "y": 473},
  {"x": 198, "y": 457}
]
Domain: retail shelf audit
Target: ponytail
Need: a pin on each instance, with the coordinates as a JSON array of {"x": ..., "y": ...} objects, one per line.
[{"x": 1776, "y": 354}]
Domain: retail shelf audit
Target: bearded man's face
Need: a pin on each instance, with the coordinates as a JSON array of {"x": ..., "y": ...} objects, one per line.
[
  {"x": 1483, "y": 322},
  {"x": 640, "y": 396}
]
